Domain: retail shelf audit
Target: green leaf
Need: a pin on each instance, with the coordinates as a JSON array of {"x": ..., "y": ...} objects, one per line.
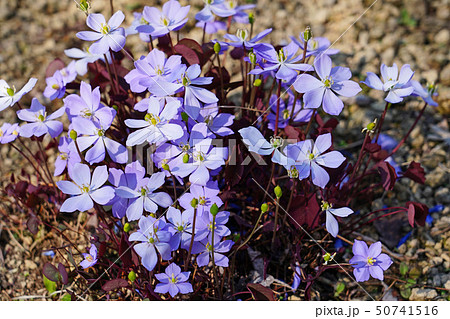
[
  {"x": 49, "y": 285},
  {"x": 406, "y": 293},
  {"x": 66, "y": 297},
  {"x": 415, "y": 273},
  {"x": 339, "y": 289},
  {"x": 403, "y": 268}
]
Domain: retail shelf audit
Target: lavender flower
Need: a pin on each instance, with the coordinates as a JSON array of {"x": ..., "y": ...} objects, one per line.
[
  {"x": 144, "y": 196},
  {"x": 204, "y": 249},
  {"x": 139, "y": 20},
  {"x": 88, "y": 105},
  {"x": 173, "y": 281},
  {"x": 8, "y": 95},
  {"x": 396, "y": 84},
  {"x": 205, "y": 195},
  {"x": 180, "y": 226},
  {"x": 155, "y": 128},
  {"x": 332, "y": 80},
  {"x": 106, "y": 35},
  {"x": 283, "y": 62},
  {"x": 9, "y": 132},
  {"x": 67, "y": 157},
  {"x": 56, "y": 87},
  {"x": 309, "y": 159},
  {"x": 84, "y": 58},
  {"x": 87, "y": 190},
  {"x": 299, "y": 114},
  {"x": 95, "y": 135},
  {"x": 369, "y": 261},
  {"x": 171, "y": 18},
  {"x": 331, "y": 222},
  {"x": 39, "y": 123},
  {"x": 216, "y": 7},
  {"x": 240, "y": 40},
  {"x": 205, "y": 226},
  {"x": 297, "y": 278},
  {"x": 316, "y": 46},
  {"x": 211, "y": 26},
  {"x": 426, "y": 94},
  {"x": 89, "y": 259},
  {"x": 240, "y": 15},
  {"x": 152, "y": 239},
  {"x": 216, "y": 122}
]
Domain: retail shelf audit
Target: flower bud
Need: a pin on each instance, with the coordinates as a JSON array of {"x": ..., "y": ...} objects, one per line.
[
  {"x": 194, "y": 202},
  {"x": 185, "y": 158},
  {"x": 214, "y": 209},
  {"x": 84, "y": 5},
  {"x": 307, "y": 35},
  {"x": 115, "y": 107},
  {"x": 264, "y": 207},
  {"x": 184, "y": 116},
  {"x": 165, "y": 167},
  {"x": 251, "y": 18},
  {"x": 257, "y": 83},
  {"x": 252, "y": 57},
  {"x": 278, "y": 191},
  {"x": 73, "y": 135},
  {"x": 132, "y": 276},
  {"x": 217, "y": 47},
  {"x": 126, "y": 227}
]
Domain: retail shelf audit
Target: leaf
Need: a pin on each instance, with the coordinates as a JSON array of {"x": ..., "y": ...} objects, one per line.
[
  {"x": 125, "y": 252},
  {"x": 66, "y": 297},
  {"x": 115, "y": 284},
  {"x": 187, "y": 53},
  {"x": 261, "y": 293},
  {"x": 63, "y": 273},
  {"x": 403, "y": 268},
  {"x": 304, "y": 211},
  {"x": 51, "y": 272},
  {"x": 32, "y": 225},
  {"x": 415, "y": 172},
  {"x": 372, "y": 147},
  {"x": 55, "y": 65},
  {"x": 388, "y": 175},
  {"x": 339, "y": 289},
  {"x": 406, "y": 293},
  {"x": 49, "y": 285},
  {"x": 417, "y": 212}
]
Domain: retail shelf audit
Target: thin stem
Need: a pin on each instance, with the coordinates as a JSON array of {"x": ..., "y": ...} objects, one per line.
[
  {"x": 361, "y": 153},
  {"x": 110, "y": 74},
  {"x": 171, "y": 43},
  {"x": 111, "y": 6},
  {"x": 277, "y": 204},
  {"x": 28, "y": 159},
  {"x": 410, "y": 130},
  {"x": 151, "y": 42},
  {"x": 204, "y": 33},
  {"x": 277, "y": 116},
  {"x": 222, "y": 94},
  {"x": 50, "y": 176},
  {"x": 216, "y": 280},
  {"x": 310, "y": 122},
  {"x": 383, "y": 115},
  {"x": 192, "y": 241}
]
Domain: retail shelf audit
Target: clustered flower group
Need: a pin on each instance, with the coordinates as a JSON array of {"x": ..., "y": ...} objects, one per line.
[{"x": 181, "y": 118}]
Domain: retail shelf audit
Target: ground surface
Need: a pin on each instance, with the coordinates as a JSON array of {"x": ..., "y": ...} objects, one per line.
[{"x": 34, "y": 32}]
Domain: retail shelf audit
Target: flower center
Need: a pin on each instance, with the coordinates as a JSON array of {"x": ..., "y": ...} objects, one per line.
[
  {"x": 165, "y": 21},
  {"x": 209, "y": 120},
  {"x": 371, "y": 261},
  {"x": 202, "y": 200},
  {"x": 89, "y": 258},
  {"x": 186, "y": 81},
  {"x": 86, "y": 113},
  {"x": 151, "y": 240},
  {"x": 64, "y": 156},
  {"x": 85, "y": 189},
  {"x": 286, "y": 114},
  {"x": 326, "y": 205},
  {"x": 144, "y": 191},
  {"x": 1, "y": 132},
  {"x": 185, "y": 147},
  {"x": 180, "y": 228},
  {"x": 104, "y": 28},
  {"x": 231, "y": 4},
  {"x": 242, "y": 34},
  {"x": 208, "y": 2},
  {"x": 311, "y": 156},
  {"x": 10, "y": 91},
  {"x": 159, "y": 70},
  {"x": 152, "y": 118},
  {"x": 41, "y": 117},
  {"x": 276, "y": 141},
  {"x": 199, "y": 156},
  {"x": 313, "y": 44},
  {"x": 209, "y": 247},
  {"x": 328, "y": 82},
  {"x": 101, "y": 132},
  {"x": 210, "y": 226},
  {"x": 293, "y": 172},
  {"x": 281, "y": 56},
  {"x": 173, "y": 279},
  {"x": 143, "y": 21},
  {"x": 55, "y": 87}
]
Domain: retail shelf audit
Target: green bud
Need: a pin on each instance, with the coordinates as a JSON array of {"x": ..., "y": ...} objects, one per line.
[
  {"x": 251, "y": 18},
  {"x": 185, "y": 158},
  {"x": 115, "y": 107},
  {"x": 214, "y": 209},
  {"x": 307, "y": 35},
  {"x": 252, "y": 58},
  {"x": 10, "y": 91},
  {"x": 132, "y": 276},
  {"x": 194, "y": 202},
  {"x": 73, "y": 135},
  {"x": 165, "y": 167},
  {"x": 264, "y": 207},
  {"x": 84, "y": 5},
  {"x": 278, "y": 191},
  {"x": 217, "y": 47},
  {"x": 184, "y": 116},
  {"x": 257, "y": 82},
  {"x": 126, "y": 227}
]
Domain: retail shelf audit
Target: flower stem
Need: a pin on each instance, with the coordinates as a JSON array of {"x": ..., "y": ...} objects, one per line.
[
  {"x": 310, "y": 122},
  {"x": 110, "y": 74},
  {"x": 29, "y": 160},
  {"x": 192, "y": 241},
  {"x": 277, "y": 116},
  {"x": 383, "y": 115},
  {"x": 277, "y": 205},
  {"x": 216, "y": 279}
]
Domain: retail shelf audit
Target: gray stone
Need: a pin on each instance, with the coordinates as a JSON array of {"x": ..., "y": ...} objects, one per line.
[{"x": 418, "y": 294}]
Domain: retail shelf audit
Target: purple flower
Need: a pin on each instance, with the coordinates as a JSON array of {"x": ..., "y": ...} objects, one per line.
[
  {"x": 144, "y": 196},
  {"x": 216, "y": 122},
  {"x": 180, "y": 226},
  {"x": 86, "y": 190},
  {"x": 173, "y": 281},
  {"x": 426, "y": 94},
  {"x": 106, "y": 35},
  {"x": 316, "y": 46},
  {"x": 204, "y": 157},
  {"x": 153, "y": 238},
  {"x": 8, "y": 95},
  {"x": 134, "y": 172},
  {"x": 396, "y": 84},
  {"x": 206, "y": 196},
  {"x": 204, "y": 249},
  {"x": 309, "y": 159},
  {"x": 216, "y": 7},
  {"x": 240, "y": 16},
  {"x": 299, "y": 115},
  {"x": 68, "y": 155},
  {"x": 297, "y": 277},
  {"x": 155, "y": 128},
  {"x": 39, "y": 123},
  {"x": 69, "y": 73},
  {"x": 211, "y": 26},
  {"x": 56, "y": 87},
  {"x": 369, "y": 261},
  {"x": 85, "y": 57},
  {"x": 156, "y": 73},
  {"x": 9, "y": 132},
  {"x": 331, "y": 222},
  {"x": 89, "y": 259},
  {"x": 205, "y": 226},
  {"x": 240, "y": 40},
  {"x": 193, "y": 94},
  {"x": 139, "y": 20},
  {"x": 332, "y": 80},
  {"x": 94, "y": 134},
  {"x": 283, "y": 62},
  {"x": 171, "y": 18},
  {"x": 88, "y": 105}
]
